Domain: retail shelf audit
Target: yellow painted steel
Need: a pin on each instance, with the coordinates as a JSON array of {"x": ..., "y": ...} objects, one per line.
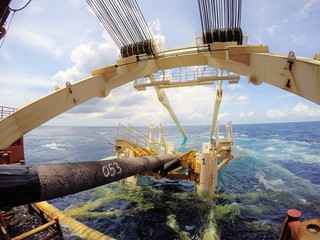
[
  {"x": 143, "y": 152},
  {"x": 197, "y": 169},
  {"x": 188, "y": 160},
  {"x": 82, "y": 230},
  {"x": 224, "y": 162},
  {"x": 35, "y": 230},
  {"x": 298, "y": 75}
]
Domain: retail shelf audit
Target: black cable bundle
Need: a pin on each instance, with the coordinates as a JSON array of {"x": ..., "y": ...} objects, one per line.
[
  {"x": 124, "y": 22},
  {"x": 221, "y": 20}
]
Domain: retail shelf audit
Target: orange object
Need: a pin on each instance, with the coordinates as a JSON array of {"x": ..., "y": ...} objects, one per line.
[{"x": 310, "y": 230}]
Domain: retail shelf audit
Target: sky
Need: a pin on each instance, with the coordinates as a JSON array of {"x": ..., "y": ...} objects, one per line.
[{"x": 52, "y": 42}]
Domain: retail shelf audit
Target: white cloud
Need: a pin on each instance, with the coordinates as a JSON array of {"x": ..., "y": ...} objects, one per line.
[
  {"x": 271, "y": 30},
  {"x": 242, "y": 98},
  {"x": 190, "y": 105},
  {"x": 37, "y": 41},
  {"x": 72, "y": 74},
  {"x": 18, "y": 79},
  {"x": 234, "y": 100},
  {"x": 87, "y": 57},
  {"x": 257, "y": 39},
  {"x": 155, "y": 28},
  {"x": 123, "y": 105},
  {"x": 304, "y": 111},
  {"x": 93, "y": 115},
  {"x": 196, "y": 116},
  {"x": 235, "y": 86},
  {"x": 276, "y": 113},
  {"x": 223, "y": 117},
  {"x": 126, "y": 105},
  {"x": 307, "y": 7},
  {"x": 300, "y": 39},
  {"x": 155, "y": 25},
  {"x": 246, "y": 115},
  {"x": 11, "y": 97},
  {"x": 300, "y": 110}
]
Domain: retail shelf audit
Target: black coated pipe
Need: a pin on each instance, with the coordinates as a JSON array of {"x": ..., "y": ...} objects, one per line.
[
  {"x": 168, "y": 167},
  {"x": 21, "y": 184}
]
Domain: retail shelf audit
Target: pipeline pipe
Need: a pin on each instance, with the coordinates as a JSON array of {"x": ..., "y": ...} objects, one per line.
[
  {"x": 168, "y": 167},
  {"x": 20, "y": 184}
]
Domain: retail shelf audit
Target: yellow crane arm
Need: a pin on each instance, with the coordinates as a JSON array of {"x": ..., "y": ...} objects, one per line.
[{"x": 298, "y": 75}]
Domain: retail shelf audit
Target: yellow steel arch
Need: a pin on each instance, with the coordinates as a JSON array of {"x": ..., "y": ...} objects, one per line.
[{"x": 297, "y": 75}]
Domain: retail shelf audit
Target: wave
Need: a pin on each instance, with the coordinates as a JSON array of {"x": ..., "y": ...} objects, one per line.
[
  {"x": 279, "y": 179},
  {"x": 273, "y": 184},
  {"x": 277, "y": 150},
  {"x": 102, "y": 132},
  {"x": 56, "y": 146},
  {"x": 269, "y": 149}
]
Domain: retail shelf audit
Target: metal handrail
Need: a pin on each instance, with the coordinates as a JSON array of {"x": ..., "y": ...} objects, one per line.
[
  {"x": 208, "y": 75},
  {"x": 6, "y": 111},
  {"x": 134, "y": 136}
]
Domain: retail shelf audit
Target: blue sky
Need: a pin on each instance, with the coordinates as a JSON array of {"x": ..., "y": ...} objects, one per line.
[{"x": 52, "y": 42}]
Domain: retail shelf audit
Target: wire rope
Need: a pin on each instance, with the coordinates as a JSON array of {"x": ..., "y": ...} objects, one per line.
[
  {"x": 219, "y": 14},
  {"x": 123, "y": 20},
  {"x": 220, "y": 20}
]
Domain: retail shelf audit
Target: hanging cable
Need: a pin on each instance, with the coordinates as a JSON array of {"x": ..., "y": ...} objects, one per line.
[
  {"x": 217, "y": 14},
  {"x": 125, "y": 24},
  {"x": 19, "y": 9},
  {"x": 123, "y": 20},
  {"x": 220, "y": 20}
]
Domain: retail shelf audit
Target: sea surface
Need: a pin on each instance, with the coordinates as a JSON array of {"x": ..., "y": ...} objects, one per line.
[{"x": 276, "y": 167}]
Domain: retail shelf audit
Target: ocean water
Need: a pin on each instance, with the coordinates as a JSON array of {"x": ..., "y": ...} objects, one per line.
[{"x": 276, "y": 167}]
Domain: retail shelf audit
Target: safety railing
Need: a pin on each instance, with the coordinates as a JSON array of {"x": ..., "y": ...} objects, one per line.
[
  {"x": 138, "y": 138},
  {"x": 200, "y": 76},
  {"x": 6, "y": 111}
]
